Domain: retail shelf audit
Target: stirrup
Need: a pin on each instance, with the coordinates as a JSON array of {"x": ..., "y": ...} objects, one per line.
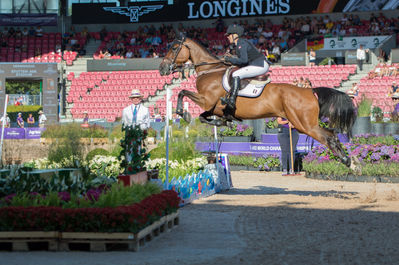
[{"x": 224, "y": 100}]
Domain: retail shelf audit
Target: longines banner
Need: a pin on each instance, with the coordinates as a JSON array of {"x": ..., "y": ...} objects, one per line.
[
  {"x": 179, "y": 10},
  {"x": 347, "y": 43}
]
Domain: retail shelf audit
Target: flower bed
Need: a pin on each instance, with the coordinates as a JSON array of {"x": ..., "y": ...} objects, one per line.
[
  {"x": 265, "y": 162},
  {"x": 130, "y": 218},
  {"x": 176, "y": 168},
  {"x": 376, "y": 159}
]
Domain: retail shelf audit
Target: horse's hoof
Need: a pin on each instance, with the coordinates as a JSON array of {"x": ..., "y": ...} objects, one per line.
[
  {"x": 187, "y": 117},
  {"x": 180, "y": 112}
]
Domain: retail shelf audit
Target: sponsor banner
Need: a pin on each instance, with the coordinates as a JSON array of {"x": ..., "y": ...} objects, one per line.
[
  {"x": 348, "y": 43},
  {"x": 14, "y": 133},
  {"x": 20, "y": 20},
  {"x": 23, "y": 133},
  {"x": 123, "y": 65},
  {"x": 292, "y": 59},
  {"x": 33, "y": 132},
  {"x": 135, "y": 11},
  {"x": 269, "y": 145}
]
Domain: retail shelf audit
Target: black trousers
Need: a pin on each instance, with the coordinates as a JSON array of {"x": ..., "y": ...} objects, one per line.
[
  {"x": 360, "y": 64},
  {"x": 284, "y": 140}
]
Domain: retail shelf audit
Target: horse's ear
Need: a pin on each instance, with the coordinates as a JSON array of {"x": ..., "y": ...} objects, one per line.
[{"x": 182, "y": 37}]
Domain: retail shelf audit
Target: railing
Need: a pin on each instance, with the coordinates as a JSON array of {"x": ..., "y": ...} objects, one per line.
[{"x": 23, "y": 99}]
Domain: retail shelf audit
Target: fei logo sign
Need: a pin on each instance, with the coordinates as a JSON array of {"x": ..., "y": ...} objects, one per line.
[{"x": 134, "y": 12}]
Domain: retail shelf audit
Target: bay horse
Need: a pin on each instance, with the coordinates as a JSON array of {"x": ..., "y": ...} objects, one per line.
[{"x": 301, "y": 106}]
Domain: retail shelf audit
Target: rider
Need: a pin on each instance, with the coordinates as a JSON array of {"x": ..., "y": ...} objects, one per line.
[{"x": 252, "y": 61}]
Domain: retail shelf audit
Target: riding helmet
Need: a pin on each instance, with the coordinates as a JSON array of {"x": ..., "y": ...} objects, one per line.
[{"x": 235, "y": 29}]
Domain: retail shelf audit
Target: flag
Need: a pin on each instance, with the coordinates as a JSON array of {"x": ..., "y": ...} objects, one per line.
[{"x": 315, "y": 43}]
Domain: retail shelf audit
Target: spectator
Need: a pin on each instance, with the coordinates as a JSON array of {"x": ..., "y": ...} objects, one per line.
[
  {"x": 219, "y": 24},
  {"x": 42, "y": 119},
  {"x": 394, "y": 91},
  {"x": 137, "y": 113},
  {"x": 20, "y": 120},
  {"x": 312, "y": 57},
  {"x": 31, "y": 32},
  {"x": 85, "y": 123},
  {"x": 7, "y": 119},
  {"x": 353, "y": 91},
  {"x": 39, "y": 32},
  {"x": 307, "y": 83},
  {"x": 129, "y": 54},
  {"x": 103, "y": 33},
  {"x": 276, "y": 51},
  {"x": 30, "y": 120},
  {"x": 284, "y": 140},
  {"x": 295, "y": 82},
  {"x": 360, "y": 56},
  {"x": 301, "y": 82}
]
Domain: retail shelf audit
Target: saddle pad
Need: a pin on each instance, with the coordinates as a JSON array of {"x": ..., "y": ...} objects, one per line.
[{"x": 252, "y": 90}]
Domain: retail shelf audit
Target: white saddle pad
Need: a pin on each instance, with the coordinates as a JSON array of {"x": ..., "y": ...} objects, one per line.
[{"x": 252, "y": 90}]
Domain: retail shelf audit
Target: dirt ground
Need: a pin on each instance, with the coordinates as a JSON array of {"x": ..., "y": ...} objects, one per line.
[{"x": 267, "y": 219}]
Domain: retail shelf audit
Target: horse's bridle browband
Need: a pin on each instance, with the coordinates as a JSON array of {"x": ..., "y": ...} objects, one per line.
[{"x": 173, "y": 66}]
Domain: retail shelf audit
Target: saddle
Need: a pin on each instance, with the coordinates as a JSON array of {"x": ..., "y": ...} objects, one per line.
[{"x": 250, "y": 87}]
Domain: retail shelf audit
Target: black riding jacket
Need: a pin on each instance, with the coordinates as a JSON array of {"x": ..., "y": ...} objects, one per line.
[{"x": 247, "y": 54}]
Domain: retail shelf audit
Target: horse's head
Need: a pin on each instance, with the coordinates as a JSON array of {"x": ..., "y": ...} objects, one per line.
[{"x": 178, "y": 54}]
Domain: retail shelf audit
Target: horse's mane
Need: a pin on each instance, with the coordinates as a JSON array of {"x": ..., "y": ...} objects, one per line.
[{"x": 203, "y": 48}]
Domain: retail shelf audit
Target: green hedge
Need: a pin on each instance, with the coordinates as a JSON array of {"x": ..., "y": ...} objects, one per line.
[{"x": 13, "y": 111}]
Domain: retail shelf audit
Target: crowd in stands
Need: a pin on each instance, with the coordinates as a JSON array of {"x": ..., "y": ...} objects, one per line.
[
  {"x": 150, "y": 42},
  {"x": 384, "y": 70},
  {"x": 302, "y": 82}
]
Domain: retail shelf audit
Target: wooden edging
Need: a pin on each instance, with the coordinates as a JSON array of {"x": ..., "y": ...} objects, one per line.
[{"x": 89, "y": 241}]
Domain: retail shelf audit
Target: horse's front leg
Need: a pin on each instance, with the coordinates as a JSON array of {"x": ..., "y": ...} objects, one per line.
[{"x": 179, "y": 107}]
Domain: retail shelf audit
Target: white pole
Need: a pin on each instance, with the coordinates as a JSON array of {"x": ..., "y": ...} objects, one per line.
[
  {"x": 215, "y": 132},
  {"x": 2, "y": 128},
  {"x": 168, "y": 106}
]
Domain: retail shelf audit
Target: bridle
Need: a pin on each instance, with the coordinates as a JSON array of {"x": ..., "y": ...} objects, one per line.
[{"x": 174, "y": 67}]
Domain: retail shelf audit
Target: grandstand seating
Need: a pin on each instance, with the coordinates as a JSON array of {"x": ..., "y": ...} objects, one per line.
[
  {"x": 377, "y": 89},
  {"x": 105, "y": 94},
  {"x": 38, "y": 50}
]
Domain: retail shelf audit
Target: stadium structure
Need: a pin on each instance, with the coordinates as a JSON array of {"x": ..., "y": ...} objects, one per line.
[{"x": 89, "y": 55}]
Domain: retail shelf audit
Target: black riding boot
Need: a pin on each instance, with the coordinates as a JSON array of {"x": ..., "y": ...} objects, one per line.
[{"x": 230, "y": 100}]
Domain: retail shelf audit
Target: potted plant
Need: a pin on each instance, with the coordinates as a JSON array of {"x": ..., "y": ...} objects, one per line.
[
  {"x": 271, "y": 125},
  {"x": 393, "y": 126},
  {"x": 378, "y": 126},
  {"x": 133, "y": 156},
  {"x": 362, "y": 124},
  {"x": 237, "y": 133}
]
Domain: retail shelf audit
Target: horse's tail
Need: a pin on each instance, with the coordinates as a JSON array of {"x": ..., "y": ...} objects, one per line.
[{"x": 338, "y": 107}]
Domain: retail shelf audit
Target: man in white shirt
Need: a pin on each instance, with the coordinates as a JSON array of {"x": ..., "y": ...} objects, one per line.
[
  {"x": 360, "y": 56},
  {"x": 7, "y": 119},
  {"x": 136, "y": 114},
  {"x": 42, "y": 119}
]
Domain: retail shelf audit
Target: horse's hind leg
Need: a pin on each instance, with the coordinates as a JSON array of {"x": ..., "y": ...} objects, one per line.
[{"x": 204, "y": 118}]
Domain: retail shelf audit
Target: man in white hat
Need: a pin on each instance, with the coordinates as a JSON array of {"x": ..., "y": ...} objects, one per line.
[
  {"x": 42, "y": 119},
  {"x": 136, "y": 114}
]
